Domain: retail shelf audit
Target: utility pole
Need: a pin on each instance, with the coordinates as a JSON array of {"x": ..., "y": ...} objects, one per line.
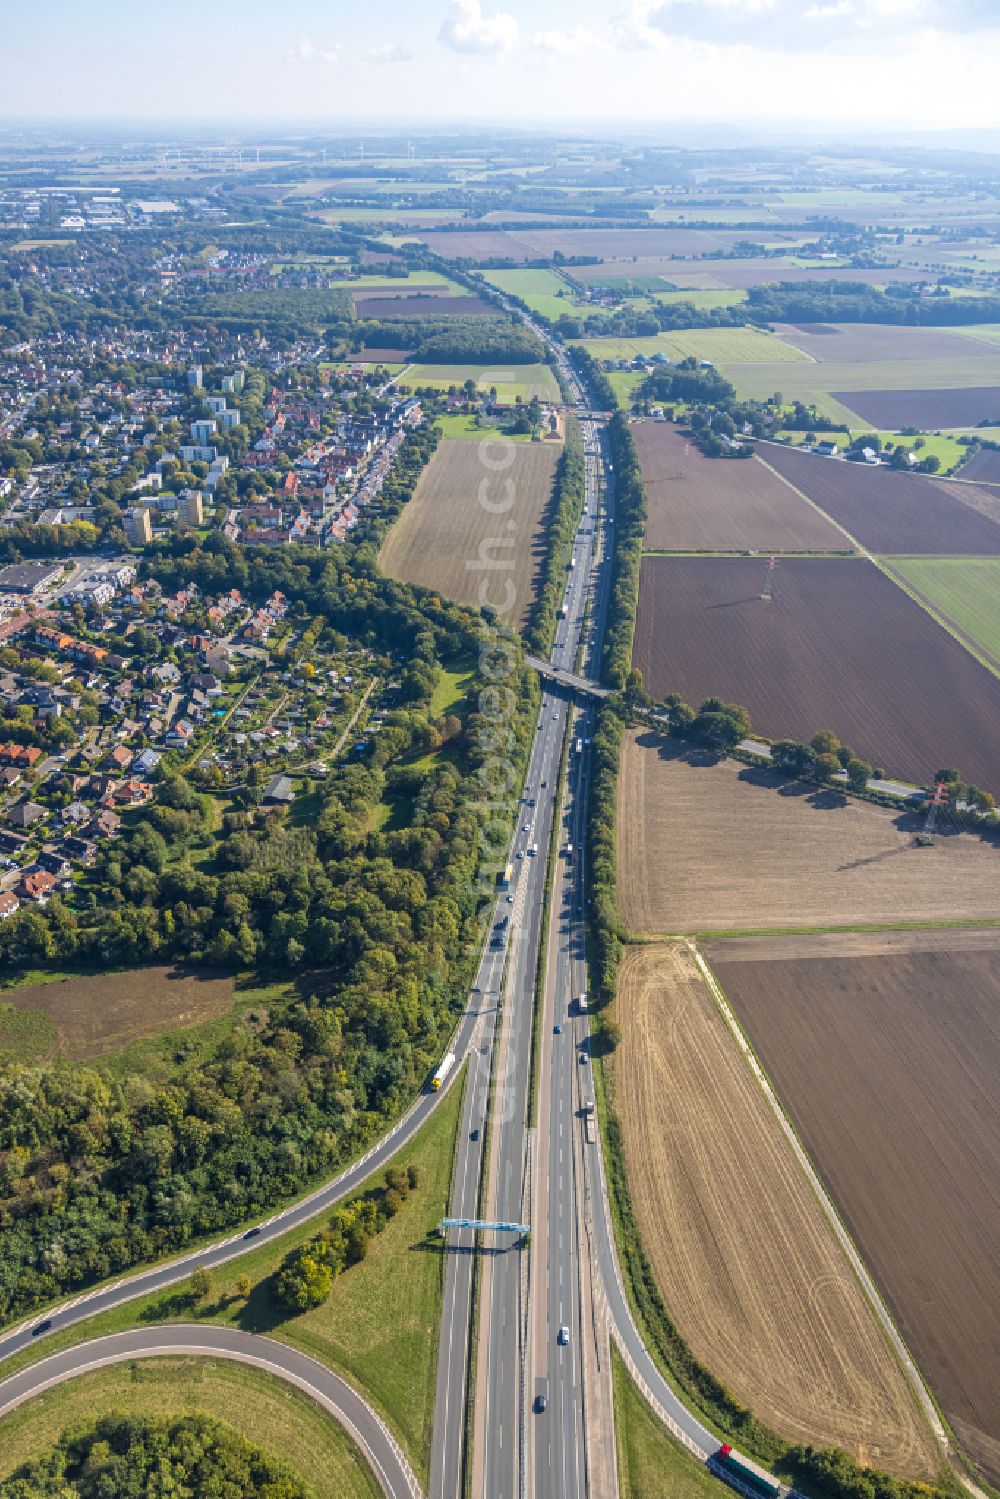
[{"x": 767, "y": 592}]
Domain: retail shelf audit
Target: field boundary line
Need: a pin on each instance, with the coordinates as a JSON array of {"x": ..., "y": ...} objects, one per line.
[
  {"x": 893, "y": 577},
  {"x": 727, "y": 934},
  {"x": 863, "y": 551},
  {"x": 967, "y": 644},
  {"x": 907, "y": 1362}
]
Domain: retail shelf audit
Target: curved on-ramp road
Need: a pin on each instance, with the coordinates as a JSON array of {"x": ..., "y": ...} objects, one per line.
[{"x": 368, "y": 1431}]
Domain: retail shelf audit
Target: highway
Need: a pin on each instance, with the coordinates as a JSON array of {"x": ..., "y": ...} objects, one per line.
[
  {"x": 547, "y": 1178},
  {"x": 158, "y": 1277},
  {"x": 505, "y": 1389},
  {"x": 385, "y": 1457}
]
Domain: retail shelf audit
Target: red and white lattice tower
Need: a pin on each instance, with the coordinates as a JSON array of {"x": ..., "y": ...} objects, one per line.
[{"x": 767, "y": 592}]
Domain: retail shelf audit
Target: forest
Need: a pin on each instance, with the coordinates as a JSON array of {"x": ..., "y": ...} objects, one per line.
[
  {"x": 375, "y": 922},
  {"x": 190, "y": 1457}
]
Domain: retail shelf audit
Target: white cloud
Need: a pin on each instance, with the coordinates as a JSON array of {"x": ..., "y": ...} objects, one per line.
[
  {"x": 466, "y": 29},
  {"x": 308, "y": 52},
  {"x": 575, "y": 42},
  {"x": 789, "y": 26},
  {"x": 389, "y": 53}
]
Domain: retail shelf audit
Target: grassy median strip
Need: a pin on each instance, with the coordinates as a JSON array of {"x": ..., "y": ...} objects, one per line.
[
  {"x": 380, "y": 1325},
  {"x": 543, "y": 937},
  {"x": 264, "y": 1409}
]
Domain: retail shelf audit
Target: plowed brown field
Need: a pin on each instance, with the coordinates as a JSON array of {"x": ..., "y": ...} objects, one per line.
[
  {"x": 887, "y": 511},
  {"x": 886, "y": 1052},
  {"x": 840, "y": 647},
  {"x": 699, "y": 504},
  {"x": 740, "y": 1247},
  {"x": 894, "y": 410},
  {"x": 473, "y": 529},
  {"x": 721, "y": 847}
]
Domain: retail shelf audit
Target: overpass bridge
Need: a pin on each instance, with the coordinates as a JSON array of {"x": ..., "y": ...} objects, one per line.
[{"x": 559, "y": 677}]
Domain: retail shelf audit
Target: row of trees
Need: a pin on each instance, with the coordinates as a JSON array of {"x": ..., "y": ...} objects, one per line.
[
  {"x": 629, "y": 530},
  {"x": 562, "y": 518},
  {"x": 849, "y": 302}
]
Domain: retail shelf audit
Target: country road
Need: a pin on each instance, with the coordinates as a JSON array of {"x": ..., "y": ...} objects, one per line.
[{"x": 370, "y": 1433}]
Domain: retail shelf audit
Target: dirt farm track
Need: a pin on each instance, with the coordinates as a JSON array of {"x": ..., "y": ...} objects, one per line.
[
  {"x": 773, "y": 1310},
  {"x": 886, "y": 1050},
  {"x": 717, "y": 846}
]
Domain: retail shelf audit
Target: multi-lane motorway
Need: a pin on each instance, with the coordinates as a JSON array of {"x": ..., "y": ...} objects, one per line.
[{"x": 535, "y": 1397}]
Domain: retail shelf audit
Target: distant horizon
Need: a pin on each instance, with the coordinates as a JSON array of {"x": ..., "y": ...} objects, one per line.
[{"x": 686, "y": 133}]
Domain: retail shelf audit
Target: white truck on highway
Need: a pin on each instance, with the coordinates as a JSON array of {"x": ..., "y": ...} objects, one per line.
[{"x": 447, "y": 1063}]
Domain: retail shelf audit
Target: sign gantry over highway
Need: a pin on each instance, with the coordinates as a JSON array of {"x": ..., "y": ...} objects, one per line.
[{"x": 482, "y": 1224}]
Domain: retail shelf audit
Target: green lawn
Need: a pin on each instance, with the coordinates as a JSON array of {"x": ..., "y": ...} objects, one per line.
[
  {"x": 946, "y": 448},
  {"x": 651, "y": 1465},
  {"x": 451, "y": 688},
  {"x": 511, "y": 380},
  {"x": 966, "y": 590},
  {"x": 268, "y": 1411},
  {"x": 463, "y": 424},
  {"x": 540, "y": 289},
  {"x": 624, "y": 382},
  {"x": 25, "y": 1035},
  {"x": 380, "y": 1324},
  {"x": 723, "y": 346}
]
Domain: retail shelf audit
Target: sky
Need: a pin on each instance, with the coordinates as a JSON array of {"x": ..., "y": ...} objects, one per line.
[{"x": 928, "y": 64}]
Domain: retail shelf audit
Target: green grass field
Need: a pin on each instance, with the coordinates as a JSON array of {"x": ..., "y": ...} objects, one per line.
[
  {"x": 945, "y": 448},
  {"x": 701, "y": 298},
  {"x": 651, "y": 1465},
  {"x": 540, "y": 289},
  {"x": 511, "y": 380},
  {"x": 374, "y": 286},
  {"x": 966, "y": 590},
  {"x": 266, "y": 1410},
  {"x": 623, "y": 383},
  {"x": 451, "y": 688},
  {"x": 723, "y": 346},
  {"x": 379, "y": 1325},
  {"x": 814, "y": 382},
  {"x": 462, "y": 424}
]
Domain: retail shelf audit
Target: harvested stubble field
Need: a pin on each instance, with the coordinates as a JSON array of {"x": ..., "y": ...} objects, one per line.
[
  {"x": 430, "y": 305},
  {"x": 723, "y": 346},
  {"x": 708, "y": 845},
  {"x": 839, "y": 647},
  {"x": 511, "y": 380},
  {"x": 704, "y": 504},
  {"x": 888, "y": 511},
  {"x": 445, "y": 534},
  {"x": 614, "y": 246},
  {"x": 743, "y": 273},
  {"x": 964, "y": 407},
  {"x": 885, "y": 1051},
  {"x": 859, "y": 343},
  {"x": 763, "y": 1294}
]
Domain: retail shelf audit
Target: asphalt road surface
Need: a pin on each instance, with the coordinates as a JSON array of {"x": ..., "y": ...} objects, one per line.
[{"x": 388, "y": 1464}]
